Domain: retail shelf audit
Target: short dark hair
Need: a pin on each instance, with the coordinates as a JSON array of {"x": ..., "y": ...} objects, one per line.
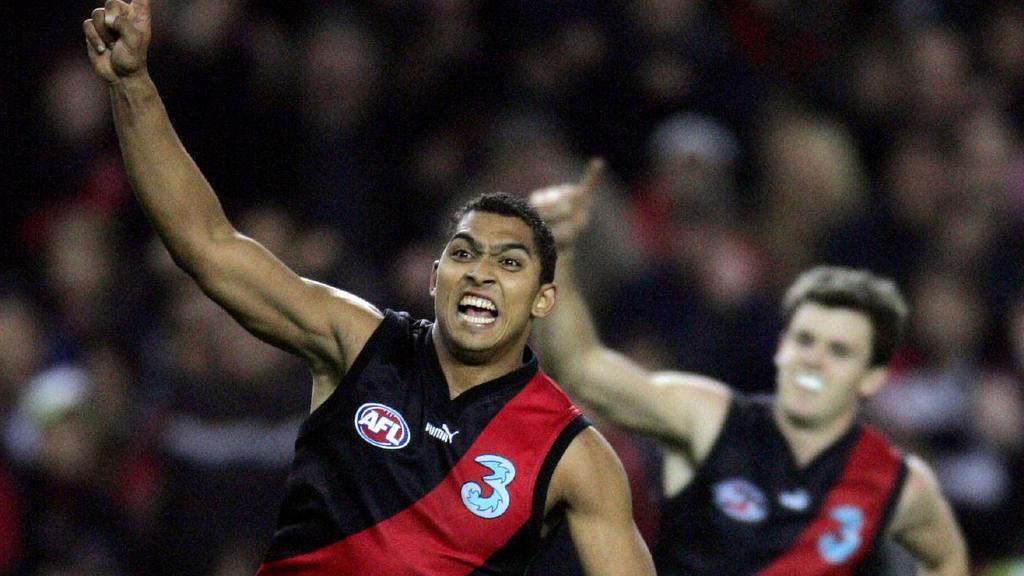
[
  {"x": 877, "y": 298},
  {"x": 505, "y": 204}
]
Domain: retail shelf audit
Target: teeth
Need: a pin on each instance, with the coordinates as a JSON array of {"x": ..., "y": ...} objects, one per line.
[
  {"x": 810, "y": 382},
  {"x": 477, "y": 319},
  {"x": 477, "y": 302}
]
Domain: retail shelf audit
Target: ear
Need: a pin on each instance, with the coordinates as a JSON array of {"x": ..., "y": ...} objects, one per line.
[
  {"x": 433, "y": 278},
  {"x": 872, "y": 381},
  {"x": 544, "y": 302}
]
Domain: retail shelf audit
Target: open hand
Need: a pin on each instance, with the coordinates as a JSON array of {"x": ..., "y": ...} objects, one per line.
[
  {"x": 566, "y": 207},
  {"x": 117, "y": 37}
]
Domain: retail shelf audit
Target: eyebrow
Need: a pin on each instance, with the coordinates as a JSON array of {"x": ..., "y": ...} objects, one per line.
[
  {"x": 850, "y": 346},
  {"x": 498, "y": 249}
]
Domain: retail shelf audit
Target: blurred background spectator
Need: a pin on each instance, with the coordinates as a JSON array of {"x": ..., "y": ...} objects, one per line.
[{"x": 143, "y": 432}]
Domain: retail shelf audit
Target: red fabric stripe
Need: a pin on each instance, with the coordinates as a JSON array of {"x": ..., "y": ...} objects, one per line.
[
  {"x": 866, "y": 482},
  {"x": 437, "y": 535}
]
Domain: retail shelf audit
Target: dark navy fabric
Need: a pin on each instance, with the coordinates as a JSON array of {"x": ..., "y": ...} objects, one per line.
[
  {"x": 749, "y": 504},
  {"x": 349, "y": 481}
]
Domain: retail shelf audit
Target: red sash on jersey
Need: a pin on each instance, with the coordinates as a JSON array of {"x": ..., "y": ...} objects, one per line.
[
  {"x": 835, "y": 542},
  {"x": 438, "y": 535}
]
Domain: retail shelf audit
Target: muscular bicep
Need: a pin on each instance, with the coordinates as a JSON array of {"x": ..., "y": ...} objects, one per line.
[
  {"x": 591, "y": 483},
  {"x": 325, "y": 326},
  {"x": 925, "y": 525}
]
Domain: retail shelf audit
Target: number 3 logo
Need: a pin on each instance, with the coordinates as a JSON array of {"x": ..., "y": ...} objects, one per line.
[
  {"x": 502, "y": 473},
  {"x": 836, "y": 547}
]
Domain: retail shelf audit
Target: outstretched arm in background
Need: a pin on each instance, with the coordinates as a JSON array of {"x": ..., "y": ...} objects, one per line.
[
  {"x": 327, "y": 327},
  {"x": 684, "y": 410}
]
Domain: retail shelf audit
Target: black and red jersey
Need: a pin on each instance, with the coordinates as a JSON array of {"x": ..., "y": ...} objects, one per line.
[
  {"x": 751, "y": 510},
  {"x": 392, "y": 476}
]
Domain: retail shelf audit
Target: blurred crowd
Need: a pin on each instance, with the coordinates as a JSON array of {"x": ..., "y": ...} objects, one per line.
[{"x": 143, "y": 432}]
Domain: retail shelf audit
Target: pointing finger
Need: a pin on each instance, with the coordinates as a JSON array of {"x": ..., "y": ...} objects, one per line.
[
  {"x": 584, "y": 192},
  {"x": 592, "y": 174}
]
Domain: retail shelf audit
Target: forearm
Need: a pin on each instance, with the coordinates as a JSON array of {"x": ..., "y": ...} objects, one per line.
[
  {"x": 571, "y": 349},
  {"x": 568, "y": 334},
  {"x": 172, "y": 191}
]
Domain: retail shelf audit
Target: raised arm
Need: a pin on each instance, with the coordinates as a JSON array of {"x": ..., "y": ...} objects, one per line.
[
  {"x": 924, "y": 524},
  {"x": 685, "y": 410},
  {"x": 590, "y": 482},
  {"x": 325, "y": 326}
]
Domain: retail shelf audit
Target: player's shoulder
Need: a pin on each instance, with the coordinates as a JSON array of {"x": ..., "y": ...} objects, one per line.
[
  {"x": 588, "y": 461},
  {"x": 388, "y": 337},
  {"x": 884, "y": 448},
  {"x": 919, "y": 494},
  {"x": 403, "y": 327},
  {"x": 691, "y": 382},
  {"x": 920, "y": 477},
  {"x": 699, "y": 405},
  {"x": 695, "y": 393},
  {"x": 550, "y": 387}
]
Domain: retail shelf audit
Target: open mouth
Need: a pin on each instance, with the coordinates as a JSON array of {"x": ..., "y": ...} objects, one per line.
[
  {"x": 809, "y": 382},
  {"x": 477, "y": 310}
]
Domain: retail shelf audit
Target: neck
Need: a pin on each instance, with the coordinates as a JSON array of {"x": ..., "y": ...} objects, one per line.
[
  {"x": 807, "y": 441},
  {"x": 464, "y": 371}
]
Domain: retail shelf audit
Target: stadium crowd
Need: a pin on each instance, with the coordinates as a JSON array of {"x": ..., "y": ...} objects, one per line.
[{"x": 143, "y": 432}]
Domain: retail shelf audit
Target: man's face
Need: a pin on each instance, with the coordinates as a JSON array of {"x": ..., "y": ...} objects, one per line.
[
  {"x": 486, "y": 287},
  {"x": 823, "y": 363}
]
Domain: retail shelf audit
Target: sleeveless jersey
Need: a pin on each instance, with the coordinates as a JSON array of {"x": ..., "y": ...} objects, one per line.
[
  {"x": 751, "y": 510},
  {"x": 392, "y": 476}
]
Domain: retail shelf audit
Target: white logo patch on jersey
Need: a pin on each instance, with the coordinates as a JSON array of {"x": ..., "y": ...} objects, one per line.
[
  {"x": 443, "y": 433},
  {"x": 740, "y": 500},
  {"x": 797, "y": 500}
]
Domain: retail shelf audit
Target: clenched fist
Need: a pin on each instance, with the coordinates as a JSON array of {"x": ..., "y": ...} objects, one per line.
[{"x": 118, "y": 37}]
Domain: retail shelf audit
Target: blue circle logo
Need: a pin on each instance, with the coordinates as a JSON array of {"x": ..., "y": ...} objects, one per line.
[{"x": 740, "y": 500}]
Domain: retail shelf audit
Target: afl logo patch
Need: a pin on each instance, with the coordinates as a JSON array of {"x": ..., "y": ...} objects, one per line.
[
  {"x": 740, "y": 500},
  {"x": 382, "y": 426}
]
